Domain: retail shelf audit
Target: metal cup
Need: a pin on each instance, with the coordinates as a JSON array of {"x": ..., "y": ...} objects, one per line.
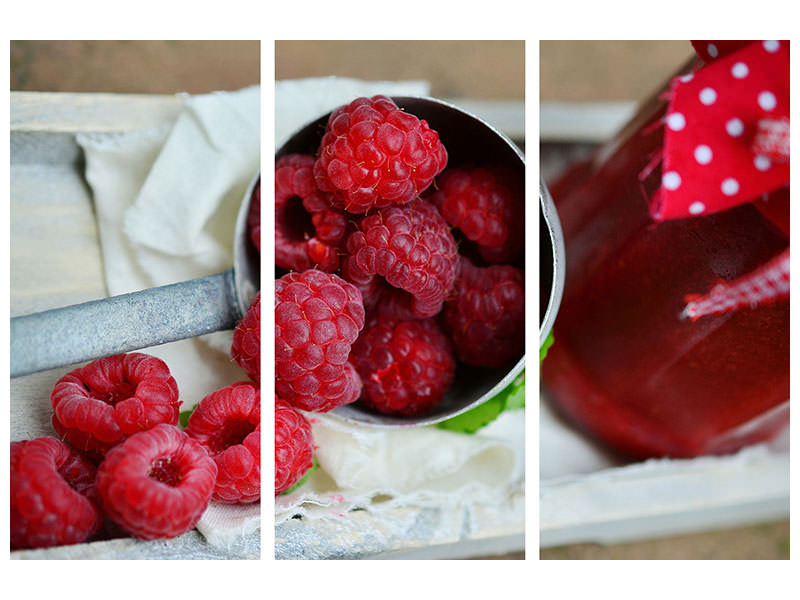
[{"x": 469, "y": 141}]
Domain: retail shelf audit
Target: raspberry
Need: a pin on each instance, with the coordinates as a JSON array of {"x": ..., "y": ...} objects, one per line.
[
  {"x": 307, "y": 229},
  {"x": 254, "y": 217},
  {"x": 412, "y": 248},
  {"x": 373, "y": 155},
  {"x": 157, "y": 483},
  {"x": 406, "y": 366},
  {"x": 98, "y": 405},
  {"x": 294, "y": 447},
  {"x": 487, "y": 208},
  {"x": 486, "y": 317},
  {"x": 227, "y": 423},
  {"x": 317, "y": 318},
  {"x": 246, "y": 346},
  {"x": 52, "y": 495}
]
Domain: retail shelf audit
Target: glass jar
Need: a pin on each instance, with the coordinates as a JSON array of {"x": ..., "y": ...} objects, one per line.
[{"x": 624, "y": 366}]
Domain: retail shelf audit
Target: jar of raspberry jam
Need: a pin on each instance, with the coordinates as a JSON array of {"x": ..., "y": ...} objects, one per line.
[{"x": 625, "y": 367}]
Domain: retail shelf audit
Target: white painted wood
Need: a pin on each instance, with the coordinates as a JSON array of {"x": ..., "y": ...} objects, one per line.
[
  {"x": 582, "y": 121},
  {"x": 55, "y": 112}
]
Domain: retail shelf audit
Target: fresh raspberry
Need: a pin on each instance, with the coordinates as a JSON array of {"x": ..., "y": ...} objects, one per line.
[
  {"x": 294, "y": 446},
  {"x": 487, "y": 208},
  {"x": 412, "y": 249},
  {"x": 317, "y": 318},
  {"x": 227, "y": 423},
  {"x": 406, "y": 366},
  {"x": 52, "y": 495},
  {"x": 157, "y": 483},
  {"x": 308, "y": 230},
  {"x": 486, "y": 317},
  {"x": 374, "y": 154},
  {"x": 98, "y": 405},
  {"x": 254, "y": 217},
  {"x": 246, "y": 346}
]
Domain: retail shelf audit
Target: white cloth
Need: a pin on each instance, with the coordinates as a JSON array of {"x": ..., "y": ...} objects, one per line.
[
  {"x": 379, "y": 469},
  {"x": 166, "y": 202}
]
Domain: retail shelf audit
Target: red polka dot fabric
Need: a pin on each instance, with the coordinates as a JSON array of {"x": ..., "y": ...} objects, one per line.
[
  {"x": 710, "y": 50},
  {"x": 724, "y": 128}
]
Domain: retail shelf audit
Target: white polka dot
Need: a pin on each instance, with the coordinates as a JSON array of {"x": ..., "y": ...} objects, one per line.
[
  {"x": 767, "y": 100},
  {"x": 695, "y": 208},
  {"x": 734, "y": 127},
  {"x": 671, "y": 180},
  {"x": 739, "y": 70},
  {"x": 676, "y": 121},
  {"x": 730, "y": 186},
  {"x": 771, "y": 45},
  {"x": 762, "y": 163},
  {"x": 708, "y": 96},
  {"x": 713, "y": 52},
  {"x": 687, "y": 78},
  {"x": 703, "y": 154}
]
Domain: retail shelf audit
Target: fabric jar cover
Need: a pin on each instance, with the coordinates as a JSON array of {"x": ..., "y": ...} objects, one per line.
[{"x": 726, "y": 143}]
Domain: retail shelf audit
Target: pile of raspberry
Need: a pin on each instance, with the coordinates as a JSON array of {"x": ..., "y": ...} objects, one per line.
[
  {"x": 120, "y": 460},
  {"x": 393, "y": 268}
]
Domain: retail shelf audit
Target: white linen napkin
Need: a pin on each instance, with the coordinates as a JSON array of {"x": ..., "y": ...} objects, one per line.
[
  {"x": 166, "y": 201},
  {"x": 377, "y": 469}
]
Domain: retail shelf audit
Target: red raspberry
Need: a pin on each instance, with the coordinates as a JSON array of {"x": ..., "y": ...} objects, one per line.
[
  {"x": 98, "y": 405},
  {"x": 254, "y": 217},
  {"x": 228, "y": 425},
  {"x": 373, "y": 155},
  {"x": 412, "y": 248},
  {"x": 406, "y": 366},
  {"x": 308, "y": 230},
  {"x": 246, "y": 346},
  {"x": 487, "y": 208},
  {"x": 52, "y": 495},
  {"x": 317, "y": 318},
  {"x": 294, "y": 446},
  {"x": 157, "y": 483},
  {"x": 486, "y": 317}
]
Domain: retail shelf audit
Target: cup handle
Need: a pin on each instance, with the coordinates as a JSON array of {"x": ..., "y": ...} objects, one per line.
[{"x": 82, "y": 332}]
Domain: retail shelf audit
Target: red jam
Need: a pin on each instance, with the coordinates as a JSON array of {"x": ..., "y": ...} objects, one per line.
[{"x": 624, "y": 367}]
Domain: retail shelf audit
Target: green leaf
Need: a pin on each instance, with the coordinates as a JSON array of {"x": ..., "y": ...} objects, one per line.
[
  {"x": 516, "y": 393},
  {"x": 304, "y": 478},
  {"x": 183, "y": 417},
  {"x": 475, "y": 418},
  {"x": 512, "y": 397},
  {"x": 545, "y": 347}
]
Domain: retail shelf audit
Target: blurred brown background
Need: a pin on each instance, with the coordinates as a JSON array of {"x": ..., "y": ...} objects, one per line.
[
  {"x": 142, "y": 67},
  {"x": 603, "y": 70},
  {"x": 456, "y": 69}
]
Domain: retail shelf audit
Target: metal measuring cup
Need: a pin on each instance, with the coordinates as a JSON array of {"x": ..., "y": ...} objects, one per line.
[
  {"x": 469, "y": 140},
  {"x": 82, "y": 332}
]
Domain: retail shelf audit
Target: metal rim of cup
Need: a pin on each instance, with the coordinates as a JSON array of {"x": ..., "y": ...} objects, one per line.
[{"x": 559, "y": 261}]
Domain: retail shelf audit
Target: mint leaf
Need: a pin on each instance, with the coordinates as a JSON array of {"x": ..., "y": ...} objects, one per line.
[
  {"x": 516, "y": 393},
  {"x": 304, "y": 478},
  {"x": 183, "y": 417},
  {"x": 512, "y": 397},
  {"x": 546, "y": 346},
  {"x": 475, "y": 418}
]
